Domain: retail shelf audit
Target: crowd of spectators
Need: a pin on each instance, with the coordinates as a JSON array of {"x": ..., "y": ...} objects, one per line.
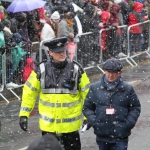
[{"x": 69, "y": 18}]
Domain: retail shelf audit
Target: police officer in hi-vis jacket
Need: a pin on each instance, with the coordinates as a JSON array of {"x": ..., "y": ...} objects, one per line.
[{"x": 62, "y": 86}]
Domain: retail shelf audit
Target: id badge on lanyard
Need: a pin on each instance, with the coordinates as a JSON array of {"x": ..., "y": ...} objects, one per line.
[{"x": 110, "y": 111}]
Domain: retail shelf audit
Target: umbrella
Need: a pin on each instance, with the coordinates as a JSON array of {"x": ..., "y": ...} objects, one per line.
[{"x": 25, "y": 5}]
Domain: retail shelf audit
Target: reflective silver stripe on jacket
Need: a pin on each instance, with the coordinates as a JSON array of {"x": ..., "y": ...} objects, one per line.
[
  {"x": 42, "y": 68},
  {"x": 58, "y": 90},
  {"x": 85, "y": 88},
  {"x": 30, "y": 86},
  {"x": 65, "y": 120},
  {"x": 75, "y": 75},
  {"x": 25, "y": 109},
  {"x": 60, "y": 104}
]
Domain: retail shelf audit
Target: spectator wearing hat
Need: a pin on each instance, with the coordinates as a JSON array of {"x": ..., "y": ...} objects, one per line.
[
  {"x": 61, "y": 85},
  {"x": 47, "y": 142},
  {"x": 112, "y": 108},
  {"x": 50, "y": 31}
]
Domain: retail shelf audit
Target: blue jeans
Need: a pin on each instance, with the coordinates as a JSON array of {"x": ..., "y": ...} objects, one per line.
[
  {"x": 122, "y": 145},
  {"x": 133, "y": 39}
]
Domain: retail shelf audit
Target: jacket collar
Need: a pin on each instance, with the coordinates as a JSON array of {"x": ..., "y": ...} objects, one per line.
[{"x": 120, "y": 86}]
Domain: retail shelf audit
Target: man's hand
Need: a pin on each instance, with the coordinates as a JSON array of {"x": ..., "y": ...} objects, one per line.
[
  {"x": 88, "y": 124},
  {"x": 23, "y": 123}
]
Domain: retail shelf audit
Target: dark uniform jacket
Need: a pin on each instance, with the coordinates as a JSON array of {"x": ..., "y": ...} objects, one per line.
[{"x": 116, "y": 127}]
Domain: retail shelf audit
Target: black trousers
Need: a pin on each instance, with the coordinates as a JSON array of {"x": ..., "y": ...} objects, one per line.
[{"x": 69, "y": 141}]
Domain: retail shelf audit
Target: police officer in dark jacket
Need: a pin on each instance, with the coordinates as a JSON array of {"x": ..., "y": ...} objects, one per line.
[{"x": 112, "y": 108}]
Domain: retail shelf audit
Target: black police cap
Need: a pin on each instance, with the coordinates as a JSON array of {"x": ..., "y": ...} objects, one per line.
[
  {"x": 113, "y": 65},
  {"x": 57, "y": 45}
]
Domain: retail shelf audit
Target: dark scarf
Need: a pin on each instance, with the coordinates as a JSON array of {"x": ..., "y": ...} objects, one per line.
[
  {"x": 111, "y": 85},
  {"x": 59, "y": 65}
]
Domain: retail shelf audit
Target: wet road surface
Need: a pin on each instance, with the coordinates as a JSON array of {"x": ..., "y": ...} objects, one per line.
[{"x": 13, "y": 138}]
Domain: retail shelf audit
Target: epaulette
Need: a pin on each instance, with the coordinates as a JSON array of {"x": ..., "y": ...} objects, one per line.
[
  {"x": 77, "y": 63},
  {"x": 37, "y": 70},
  {"x": 80, "y": 66}
]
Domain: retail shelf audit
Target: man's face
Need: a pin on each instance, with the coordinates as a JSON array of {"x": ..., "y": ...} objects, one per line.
[
  {"x": 112, "y": 76},
  {"x": 58, "y": 56}
]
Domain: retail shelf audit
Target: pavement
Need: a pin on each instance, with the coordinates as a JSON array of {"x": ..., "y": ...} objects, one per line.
[{"x": 13, "y": 138}]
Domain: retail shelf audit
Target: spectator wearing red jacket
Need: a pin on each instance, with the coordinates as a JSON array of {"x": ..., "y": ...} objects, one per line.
[{"x": 136, "y": 31}]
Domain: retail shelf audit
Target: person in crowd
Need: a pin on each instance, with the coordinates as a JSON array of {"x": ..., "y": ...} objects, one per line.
[
  {"x": 90, "y": 21},
  {"x": 136, "y": 31},
  {"x": 62, "y": 86},
  {"x": 72, "y": 7},
  {"x": 7, "y": 25},
  {"x": 42, "y": 14},
  {"x": 8, "y": 43},
  {"x": 4, "y": 13},
  {"x": 115, "y": 34},
  {"x": 34, "y": 26},
  {"x": 14, "y": 24},
  {"x": 106, "y": 5},
  {"x": 50, "y": 31},
  {"x": 18, "y": 58},
  {"x": 1, "y": 13},
  {"x": 112, "y": 108},
  {"x": 27, "y": 69},
  {"x": 23, "y": 31},
  {"x": 123, "y": 19},
  {"x": 65, "y": 27},
  {"x": 104, "y": 17},
  {"x": 147, "y": 7},
  {"x": 47, "y": 142},
  {"x": 124, "y": 9}
]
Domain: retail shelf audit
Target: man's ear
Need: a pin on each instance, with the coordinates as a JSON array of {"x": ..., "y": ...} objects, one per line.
[
  {"x": 50, "y": 53},
  {"x": 120, "y": 72}
]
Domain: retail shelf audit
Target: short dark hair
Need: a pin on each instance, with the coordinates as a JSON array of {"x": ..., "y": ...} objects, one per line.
[{"x": 69, "y": 15}]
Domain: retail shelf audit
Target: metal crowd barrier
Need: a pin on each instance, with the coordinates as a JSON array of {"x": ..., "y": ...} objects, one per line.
[
  {"x": 148, "y": 47},
  {"x": 3, "y": 74},
  {"x": 122, "y": 44},
  {"x": 85, "y": 47},
  {"x": 89, "y": 54},
  {"x": 6, "y": 65}
]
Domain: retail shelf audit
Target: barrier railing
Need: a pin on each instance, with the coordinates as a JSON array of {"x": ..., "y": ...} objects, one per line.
[
  {"x": 88, "y": 50},
  {"x": 3, "y": 74},
  {"x": 89, "y": 54},
  {"x": 9, "y": 72},
  {"x": 128, "y": 35}
]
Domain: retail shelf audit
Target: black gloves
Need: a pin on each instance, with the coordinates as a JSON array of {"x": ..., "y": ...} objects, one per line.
[
  {"x": 23, "y": 123},
  {"x": 88, "y": 124}
]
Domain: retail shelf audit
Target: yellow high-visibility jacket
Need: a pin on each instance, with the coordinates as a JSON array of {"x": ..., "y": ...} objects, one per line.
[{"x": 60, "y": 109}]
